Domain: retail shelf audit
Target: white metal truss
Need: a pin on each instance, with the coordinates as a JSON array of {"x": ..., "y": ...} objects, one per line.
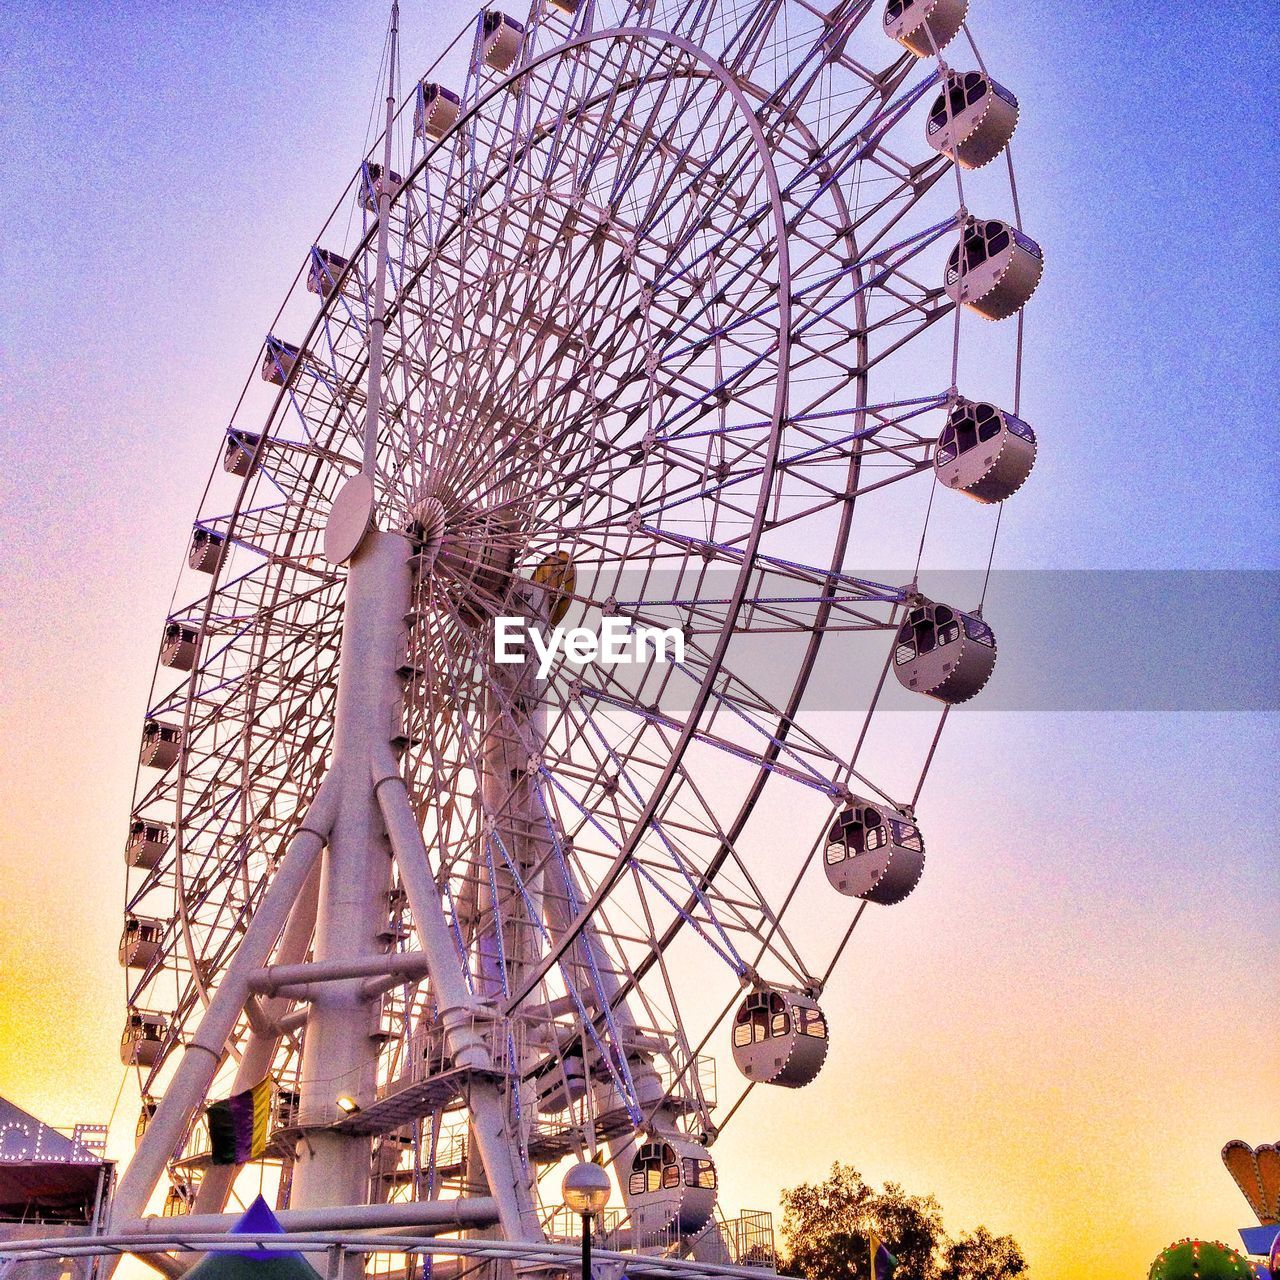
[{"x": 652, "y": 331}]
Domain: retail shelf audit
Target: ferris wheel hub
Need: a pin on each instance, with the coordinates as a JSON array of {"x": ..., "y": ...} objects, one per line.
[
  {"x": 428, "y": 525},
  {"x": 471, "y": 548}
]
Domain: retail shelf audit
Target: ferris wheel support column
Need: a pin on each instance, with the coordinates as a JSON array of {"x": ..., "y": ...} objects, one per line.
[
  {"x": 489, "y": 1114},
  {"x": 588, "y": 960},
  {"x": 340, "y": 1051},
  {"x": 201, "y": 1058},
  {"x": 515, "y": 733},
  {"x": 260, "y": 1050}
]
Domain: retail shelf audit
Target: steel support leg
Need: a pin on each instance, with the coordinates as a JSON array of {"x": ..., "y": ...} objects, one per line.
[
  {"x": 340, "y": 1053},
  {"x": 200, "y": 1060},
  {"x": 260, "y": 1050},
  {"x": 508, "y": 1182}
]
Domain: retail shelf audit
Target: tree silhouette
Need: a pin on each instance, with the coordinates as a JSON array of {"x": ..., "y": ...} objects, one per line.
[
  {"x": 982, "y": 1256},
  {"x": 826, "y": 1227}
]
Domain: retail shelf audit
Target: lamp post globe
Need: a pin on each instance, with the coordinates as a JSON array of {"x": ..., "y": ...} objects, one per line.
[{"x": 586, "y": 1189}]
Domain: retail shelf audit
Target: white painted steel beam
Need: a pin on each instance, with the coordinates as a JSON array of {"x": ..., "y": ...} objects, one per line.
[
  {"x": 339, "y": 1055},
  {"x": 278, "y": 977},
  {"x": 201, "y": 1058},
  {"x": 262, "y": 1045},
  {"x": 440, "y": 1215},
  {"x": 517, "y": 1213}
]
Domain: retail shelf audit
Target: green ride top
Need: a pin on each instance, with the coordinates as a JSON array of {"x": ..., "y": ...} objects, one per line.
[{"x": 1202, "y": 1260}]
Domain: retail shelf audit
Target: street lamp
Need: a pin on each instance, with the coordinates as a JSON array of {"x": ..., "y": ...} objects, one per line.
[{"x": 586, "y": 1191}]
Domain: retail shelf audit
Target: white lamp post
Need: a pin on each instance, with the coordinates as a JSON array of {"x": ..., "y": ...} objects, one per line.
[{"x": 586, "y": 1191}]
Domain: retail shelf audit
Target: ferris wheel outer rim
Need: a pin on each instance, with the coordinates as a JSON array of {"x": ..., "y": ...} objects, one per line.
[{"x": 731, "y": 84}]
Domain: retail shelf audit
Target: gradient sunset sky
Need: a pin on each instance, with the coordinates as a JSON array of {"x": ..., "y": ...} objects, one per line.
[{"x": 1081, "y": 1003}]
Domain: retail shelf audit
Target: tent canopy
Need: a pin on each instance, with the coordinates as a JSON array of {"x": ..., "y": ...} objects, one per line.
[{"x": 258, "y": 1220}]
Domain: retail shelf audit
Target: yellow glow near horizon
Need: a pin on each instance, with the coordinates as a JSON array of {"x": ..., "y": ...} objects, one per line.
[{"x": 1073, "y": 1092}]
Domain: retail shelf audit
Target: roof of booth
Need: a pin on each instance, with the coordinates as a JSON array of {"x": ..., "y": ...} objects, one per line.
[
  {"x": 265, "y": 1265},
  {"x": 42, "y": 1169}
]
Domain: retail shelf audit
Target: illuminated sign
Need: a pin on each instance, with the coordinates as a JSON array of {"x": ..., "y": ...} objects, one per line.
[{"x": 31, "y": 1142}]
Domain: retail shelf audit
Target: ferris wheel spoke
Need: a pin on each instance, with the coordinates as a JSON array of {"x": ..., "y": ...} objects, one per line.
[
  {"x": 513, "y": 379},
  {"x": 647, "y": 872},
  {"x": 905, "y": 250},
  {"x": 647, "y": 882},
  {"x": 704, "y": 890},
  {"x": 639, "y": 62},
  {"x": 554, "y": 841},
  {"x": 857, "y": 137},
  {"x": 686, "y": 80}
]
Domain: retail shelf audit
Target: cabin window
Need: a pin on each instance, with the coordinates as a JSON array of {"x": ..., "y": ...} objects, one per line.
[
  {"x": 975, "y": 249},
  {"x": 751, "y": 1024},
  {"x": 699, "y": 1173},
  {"x": 907, "y": 638},
  {"x": 812, "y": 1023},
  {"x": 905, "y": 836},
  {"x": 780, "y": 1025},
  {"x": 947, "y": 445},
  {"x": 836, "y": 852},
  {"x": 647, "y": 1175},
  {"x": 978, "y": 630},
  {"x": 670, "y": 1177}
]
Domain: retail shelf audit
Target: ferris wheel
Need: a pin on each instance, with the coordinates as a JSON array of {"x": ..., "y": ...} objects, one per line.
[{"x": 663, "y": 319}]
